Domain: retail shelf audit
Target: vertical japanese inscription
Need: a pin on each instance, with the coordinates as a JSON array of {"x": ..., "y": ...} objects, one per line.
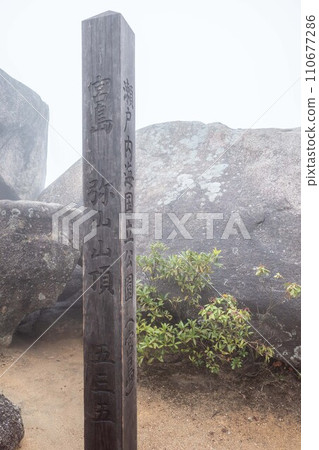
[
  {"x": 100, "y": 94},
  {"x": 129, "y": 329},
  {"x": 128, "y": 99},
  {"x": 101, "y": 415},
  {"x": 103, "y": 386},
  {"x": 100, "y": 194},
  {"x": 129, "y": 340}
]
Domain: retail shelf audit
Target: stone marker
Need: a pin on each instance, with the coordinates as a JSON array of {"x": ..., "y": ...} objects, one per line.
[{"x": 108, "y": 261}]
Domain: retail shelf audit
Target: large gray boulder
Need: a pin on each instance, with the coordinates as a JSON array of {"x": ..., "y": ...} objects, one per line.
[
  {"x": 251, "y": 180},
  {"x": 34, "y": 267},
  {"x": 67, "y": 188},
  {"x": 11, "y": 425},
  {"x": 23, "y": 140},
  {"x": 66, "y": 313},
  {"x": 7, "y": 192}
]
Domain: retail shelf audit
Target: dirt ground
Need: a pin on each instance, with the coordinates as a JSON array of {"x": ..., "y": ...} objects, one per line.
[{"x": 178, "y": 407}]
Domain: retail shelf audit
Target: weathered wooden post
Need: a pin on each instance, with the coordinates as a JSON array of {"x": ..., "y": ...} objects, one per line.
[{"x": 108, "y": 261}]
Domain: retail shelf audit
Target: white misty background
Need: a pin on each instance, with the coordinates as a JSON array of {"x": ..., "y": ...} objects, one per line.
[{"x": 208, "y": 60}]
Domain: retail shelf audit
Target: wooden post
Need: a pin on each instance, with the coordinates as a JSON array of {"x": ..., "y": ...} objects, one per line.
[{"x": 108, "y": 261}]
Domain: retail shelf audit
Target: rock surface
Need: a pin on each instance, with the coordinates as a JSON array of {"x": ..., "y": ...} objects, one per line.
[
  {"x": 34, "y": 267},
  {"x": 7, "y": 192},
  {"x": 66, "y": 314},
  {"x": 23, "y": 140},
  {"x": 11, "y": 425},
  {"x": 251, "y": 179},
  {"x": 67, "y": 189}
]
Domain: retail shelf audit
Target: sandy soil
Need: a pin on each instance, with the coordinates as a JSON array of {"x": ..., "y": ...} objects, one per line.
[{"x": 178, "y": 407}]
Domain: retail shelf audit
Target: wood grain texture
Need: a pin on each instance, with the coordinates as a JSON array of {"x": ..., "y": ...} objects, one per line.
[{"x": 108, "y": 261}]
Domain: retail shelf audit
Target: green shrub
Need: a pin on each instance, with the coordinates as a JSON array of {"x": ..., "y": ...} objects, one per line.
[
  {"x": 208, "y": 335},
  {"x": 291, "y": 290}
]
